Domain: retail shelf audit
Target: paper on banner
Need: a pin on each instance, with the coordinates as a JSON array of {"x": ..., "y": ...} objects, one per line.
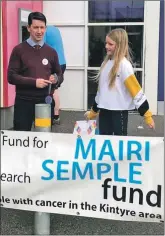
[{"x": 84, "y": 127}]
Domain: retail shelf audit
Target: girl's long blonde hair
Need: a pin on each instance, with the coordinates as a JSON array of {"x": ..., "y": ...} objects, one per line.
[{"x": 120, "y": 37}]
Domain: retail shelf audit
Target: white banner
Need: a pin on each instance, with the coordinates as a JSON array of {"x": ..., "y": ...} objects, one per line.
[{"x": 110, "y": 177}]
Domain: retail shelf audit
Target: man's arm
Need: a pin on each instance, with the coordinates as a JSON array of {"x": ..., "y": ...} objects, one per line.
[
  {"x": 57, "y": 70},
  {"x": 13, "y": 74}
]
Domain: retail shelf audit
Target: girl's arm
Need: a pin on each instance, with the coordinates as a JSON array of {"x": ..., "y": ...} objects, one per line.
[
  {"x": 94, "y": 111},
  {"x": 139, "y": 98}
]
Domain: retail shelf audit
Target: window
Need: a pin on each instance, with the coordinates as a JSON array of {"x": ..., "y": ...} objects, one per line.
[
  {"x": 92, "y": 88},
  {"x": 104, "y": 16},
  {"x": 116, "y": 11},
  {"x": 97, "y": 36}
]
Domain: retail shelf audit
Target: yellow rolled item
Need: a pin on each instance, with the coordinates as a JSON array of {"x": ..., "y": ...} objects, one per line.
[
  {"x": 148, "y": 118},
  {"x": 92, "y": 114}
]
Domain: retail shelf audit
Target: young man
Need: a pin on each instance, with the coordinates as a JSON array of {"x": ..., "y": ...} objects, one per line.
[
  {"x": 53, "y": 39},
  {"x": 32, "y": 67}
]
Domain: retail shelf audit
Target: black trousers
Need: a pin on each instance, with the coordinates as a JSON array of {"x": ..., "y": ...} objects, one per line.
[
  {"x": 24, "y": 113},
  {"x": 113, "y": 122}
]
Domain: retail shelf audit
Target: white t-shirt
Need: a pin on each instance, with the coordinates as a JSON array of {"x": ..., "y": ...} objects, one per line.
[{"x": 118, "y": 97}]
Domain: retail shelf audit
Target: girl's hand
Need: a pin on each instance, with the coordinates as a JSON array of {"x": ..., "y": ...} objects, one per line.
[
  {"x": 149, "y": 120},
  {"x": 89, "y": 115},
  {"x": 152, "y": 125}
]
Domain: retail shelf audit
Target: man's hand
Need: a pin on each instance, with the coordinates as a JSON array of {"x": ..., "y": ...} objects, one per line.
[
  {"x": 53, "y": 79},
  {"x": 42, "y": 83}
]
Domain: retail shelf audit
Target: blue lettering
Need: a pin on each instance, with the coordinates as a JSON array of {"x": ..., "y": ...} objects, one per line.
[
  {"x": 116, "y": 174},
  {"x": 147, "y": 151},
  {"x": 121, "y": 150},
  {"x": 60, "y": 170},
  {"x": 132, "y": 172},
  {"x": 106, "y": 168},
  {"x": 76, "y": 170},
  {"x": 107, "y": 144},
  {"x": 130, "y": 150},
  {"x": 48, "y": 170},
  {"x": 80, "y": 147}
]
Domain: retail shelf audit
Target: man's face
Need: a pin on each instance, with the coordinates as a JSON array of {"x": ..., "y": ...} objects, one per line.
[{"x": 37, "y": 30}]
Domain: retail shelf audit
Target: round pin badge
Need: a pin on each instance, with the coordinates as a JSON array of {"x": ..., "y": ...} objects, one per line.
[
  {"x": 45, "y": 61},
  {"x": 48, "y": 99}
]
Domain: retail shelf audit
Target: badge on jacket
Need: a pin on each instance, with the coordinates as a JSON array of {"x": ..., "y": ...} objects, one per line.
[{"x": 45, "y": 61}]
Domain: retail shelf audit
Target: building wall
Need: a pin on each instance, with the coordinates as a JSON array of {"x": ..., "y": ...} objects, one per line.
[
  {"x": 71, "y": 17},
  {"x": 10, "y": 28},
  {"x": 1, "y": 59}
]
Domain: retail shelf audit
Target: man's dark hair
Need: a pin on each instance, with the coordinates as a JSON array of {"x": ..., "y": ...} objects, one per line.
[{"x": 36, "y": 16}]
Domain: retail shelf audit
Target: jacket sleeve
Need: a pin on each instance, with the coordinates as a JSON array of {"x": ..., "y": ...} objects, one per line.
[
  {"x": 135, "y": 90},
  {"x": 14, "y": 68},
  {"x": 94, "y": 106},
  {"x": 56, "y": 69}
]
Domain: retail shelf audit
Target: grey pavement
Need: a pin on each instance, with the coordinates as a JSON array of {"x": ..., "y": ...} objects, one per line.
[{"x": 17, "y": 222}]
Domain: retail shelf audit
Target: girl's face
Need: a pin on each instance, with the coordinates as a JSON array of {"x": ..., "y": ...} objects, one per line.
[{"x": 110, "y": 46}]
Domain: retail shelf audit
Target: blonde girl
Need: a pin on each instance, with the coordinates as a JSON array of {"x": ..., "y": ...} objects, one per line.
[{"x": 118, "y": 89}]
